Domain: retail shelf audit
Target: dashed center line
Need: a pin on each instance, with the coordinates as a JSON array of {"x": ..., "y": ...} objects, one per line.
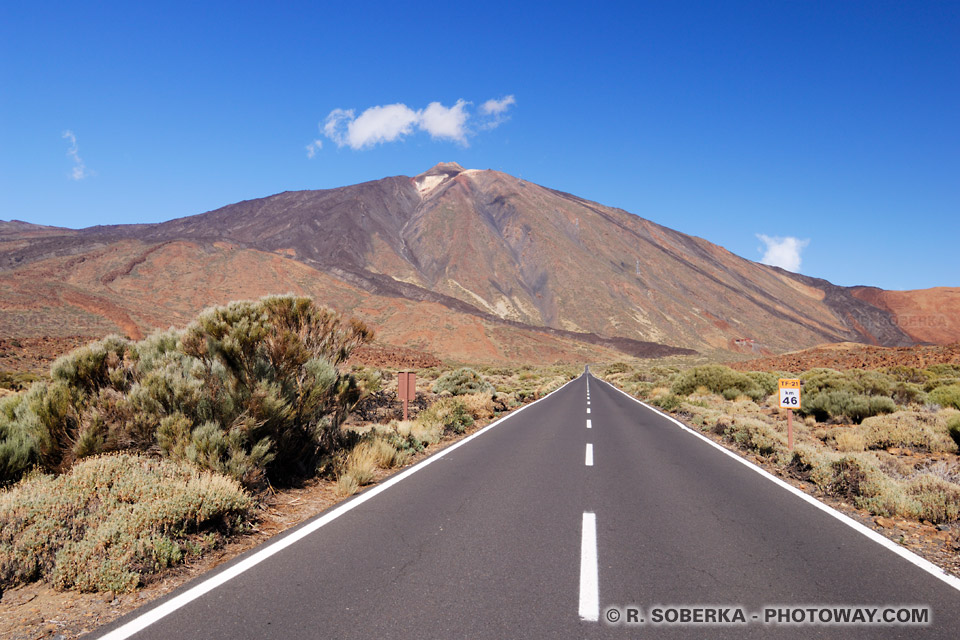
[
  {"x": 589, "y": 579},
  {"x": 589, "y": 424},
  {"x": 588, "y": 409},
  {"x": 589, "y": 457}
]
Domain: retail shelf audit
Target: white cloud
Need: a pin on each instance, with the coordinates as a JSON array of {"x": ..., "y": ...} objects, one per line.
[
  {"x": 441, "y": 122},
  {"x": 313, "y": 147},
  {"x": 782, "y": 252},
  {"x": 496, "y": 111},
  {"x": 79, "y": 171},
  {"x": 497, "y": 107},
  {"x": 389, "y": 123}
]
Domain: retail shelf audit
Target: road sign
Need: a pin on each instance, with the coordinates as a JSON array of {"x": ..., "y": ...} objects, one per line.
[{"x": 789, "y": 393}]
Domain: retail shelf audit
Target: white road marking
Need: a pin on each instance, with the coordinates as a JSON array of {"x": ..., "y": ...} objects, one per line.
[
  {"x": 589, "y": 425},
  {"x": 890, "y": 545},
  {"x": 589, "y": 578},
  {"x": 146, "y": 619},
  {"x": 588, "y": 409},
  {"x": 589, "y": 458}
]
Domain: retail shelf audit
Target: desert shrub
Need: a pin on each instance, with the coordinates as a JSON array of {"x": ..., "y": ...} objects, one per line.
[
  {"x": 361, "y": 463},
  {"x": 904, "y": 393},
  {"x": 479, "y": 405},
  {"x": 251, "y": 389},
  {"x": 835, "y": 404},
  {"x": 449, "y": 415},
  {"x": 667, "y": 401},
  {"x": 462, "y": 381},
  {"x": 933, "y": 498},
  {"x": 616, "y": 367},
  {"x": 822, "y": 380},
  {"x": 368, "y": 380},
  {"x": 717, "y": 379},
  {"x": 912, "y": 429},
  {"x": 911, "y": 375},
  {"x": 953, "y": 428},
  {"x": 848, "y": 440},
  {"x": 768, "y": 382},
  {"x": 851, "y": 477},
  {"x": 945, "y": 370},
  {"x": 946, "y": 396},
  {"x": 346, "y": 485},
  {"x": 754, "y": 435},
  {"x": 870, "y": 382},
  {"x": 937, "y": 382},
  {"x": 17, "y": 381},
  {"x": 111, "y": 519}
]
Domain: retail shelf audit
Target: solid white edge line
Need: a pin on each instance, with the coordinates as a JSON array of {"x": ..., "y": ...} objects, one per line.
[
  {"x": 890, "y": 545},
  {"x": 589, "y": 578},
  {"x": 146, "y": 619},
  {"x": 588, "y": 458}
]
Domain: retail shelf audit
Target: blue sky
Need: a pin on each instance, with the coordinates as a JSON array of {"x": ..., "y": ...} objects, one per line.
[{"x": 833, "y": 123}]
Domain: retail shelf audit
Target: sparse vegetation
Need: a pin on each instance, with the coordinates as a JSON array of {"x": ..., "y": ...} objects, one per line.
[
  {"x": 112, "y": 519},
  {"x": 462, "y": 381},
  {"x": 847, "y": 447}
]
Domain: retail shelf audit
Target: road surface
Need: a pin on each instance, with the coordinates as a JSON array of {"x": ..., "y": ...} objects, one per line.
[{"x": 538, "y": 526}]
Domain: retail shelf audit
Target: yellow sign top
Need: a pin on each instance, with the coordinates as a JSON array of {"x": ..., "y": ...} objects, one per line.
[{"x": 789, "y": 383}]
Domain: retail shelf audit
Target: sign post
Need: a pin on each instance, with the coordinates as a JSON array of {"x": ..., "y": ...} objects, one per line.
[
  {"x": 406, "y": 389},
  {"x": 789, "y": 400}
]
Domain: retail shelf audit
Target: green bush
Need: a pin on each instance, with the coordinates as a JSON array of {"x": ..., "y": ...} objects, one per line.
[
  {"x": 616, "y": 367},
  {"x": 768, "y": 382},
  {"x": 462, "y": 381},
  {"x": 720, "y": 380},
  {"x": 450, "y": 415},
  {"x": 947, "y": 396},
  {"x": 112, "y": 519},
  {"x": 251, "y": 389},
  {"x": 667, "y": 401},
  {"x": 836, "y": 404},
  {"x": 908, "y": 393},
  {"x": 953, "y": 428},
  {"x": 854, "y": 381}
]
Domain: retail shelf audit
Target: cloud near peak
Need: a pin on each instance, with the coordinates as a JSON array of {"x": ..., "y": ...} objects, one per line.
[
  {"x": 393, "y": 122},
  {"x": 782, "y": 252}
]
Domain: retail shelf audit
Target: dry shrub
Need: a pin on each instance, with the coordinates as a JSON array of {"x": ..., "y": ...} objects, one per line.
[
  {"x": 111, "y": 519},
  {"x": 361, "y": 463},
  {"x": 346, "y": 486},
  {"x": 755, "y": 435},
  {"x": 914, "y": 429},
  {"x": 479, "y": 405},
  {"x": 934, "y": 498},
  {"x": 848, "y": 440}
]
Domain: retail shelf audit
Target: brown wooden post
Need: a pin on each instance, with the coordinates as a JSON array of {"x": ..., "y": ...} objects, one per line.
[
  {"x": 406, "y": 389},
  {"x": 790, "y": 429}
]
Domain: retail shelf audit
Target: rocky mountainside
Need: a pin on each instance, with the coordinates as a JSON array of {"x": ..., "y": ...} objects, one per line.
[{"x": 461, "y": 247}]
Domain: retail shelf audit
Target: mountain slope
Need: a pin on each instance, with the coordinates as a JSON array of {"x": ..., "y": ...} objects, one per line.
[{"x": 478, "y": 244}]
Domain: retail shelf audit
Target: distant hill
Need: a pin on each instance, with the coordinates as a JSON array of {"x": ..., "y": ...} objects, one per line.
[{"x": 463, "y": 264}]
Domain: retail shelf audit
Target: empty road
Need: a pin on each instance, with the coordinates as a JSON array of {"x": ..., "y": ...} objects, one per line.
[{"x": 538, "y": 526}]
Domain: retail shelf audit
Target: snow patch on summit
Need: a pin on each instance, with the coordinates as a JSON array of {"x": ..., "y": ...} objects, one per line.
[{"x": 425, "y": 184}]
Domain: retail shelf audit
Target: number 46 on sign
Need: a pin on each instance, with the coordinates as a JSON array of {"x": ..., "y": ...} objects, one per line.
[{"x": 789, "y": 394}]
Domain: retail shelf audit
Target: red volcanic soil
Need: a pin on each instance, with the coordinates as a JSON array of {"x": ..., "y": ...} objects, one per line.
[
  {"x": 855, "y": 356},
  {"x": 388, "y": 357},
  {"x": 926, "y": 315}
]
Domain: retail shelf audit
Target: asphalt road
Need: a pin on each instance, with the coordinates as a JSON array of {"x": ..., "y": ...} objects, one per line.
[{"x": 491, "y": 540}]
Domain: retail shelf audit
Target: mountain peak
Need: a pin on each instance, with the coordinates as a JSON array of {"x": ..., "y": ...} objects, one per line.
[{"x": 433, "y": 177}]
